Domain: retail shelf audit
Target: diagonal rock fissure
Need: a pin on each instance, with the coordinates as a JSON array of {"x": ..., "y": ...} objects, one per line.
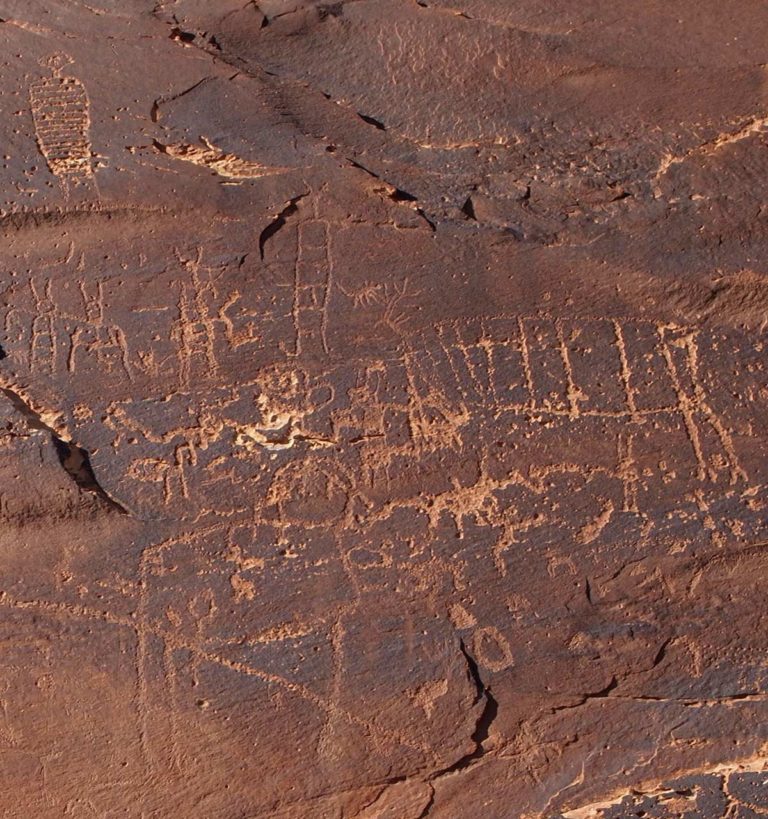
[
  {"x": 280, "y": 220},
  {"x": 428, "y": 807},
  {"x": 74, "y": 459},
  {"x": 482, "y": 727},
  {"x": 395, "y": 193},
  {"x": 603, "y": 693},
  {"x": 489, "y": 713},
  {"x": 484, "y": 722}
]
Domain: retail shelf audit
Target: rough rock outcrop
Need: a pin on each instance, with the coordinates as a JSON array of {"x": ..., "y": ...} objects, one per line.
[{"x": 384, "y": 409}]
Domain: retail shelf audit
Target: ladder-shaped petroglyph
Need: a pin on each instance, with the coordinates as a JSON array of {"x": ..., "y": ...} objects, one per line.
[
  {"x": 61, "y": 116},
  {"x": 693, "y": 402},
  {"x": 303, "y": 260},
  {"x": 312, "y": 285},
  {"x": 44, "y": 337},
  {"x": 32, "y": 324}
]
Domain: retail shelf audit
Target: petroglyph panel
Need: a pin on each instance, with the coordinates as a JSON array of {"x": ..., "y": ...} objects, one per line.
[
  {"x": 366, "y": 459},
  {"x": 466, "y": 394}
]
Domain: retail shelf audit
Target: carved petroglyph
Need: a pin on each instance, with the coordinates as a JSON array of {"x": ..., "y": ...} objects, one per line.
[
  {"x": 448, "y": 520},
  {"x": 538, "y": 368},
  {"x": 302, "y": 258},
  {"x": 312, "y": 494},
  {"x": 464, "y": 393},
  {"x": 62, "y": 320},
  {"x": 632, "y": 376},
  {"x": 492, "y": 649},
  {"x": 466, "y": 438},
  {"x": 627, "y": 471},
  {"x": 98, "y": 336},
  {"x": 470, "y": 429},
  {"x": 394, "y": 300},
  {"x": 55, "y": 332},
  {"x": 312, "y": 283},
  {"x": 386, "y": 302},
  {"x": 503, "y": 399},
  {"x": 170, "y": 621},
  {"x": 158, "y": 641},
  {"x": 194, "y": 331},
  {"x": 43, "y": 341},
  {"x": 60, "y": 110}
]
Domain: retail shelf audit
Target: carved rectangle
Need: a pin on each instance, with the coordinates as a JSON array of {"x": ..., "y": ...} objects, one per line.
[
  {"x": 649, "y": 377},
  {"x": 596, "y": 366},
  {"x": 548, "y": 374},
  {"x": 507, "y": 364}
]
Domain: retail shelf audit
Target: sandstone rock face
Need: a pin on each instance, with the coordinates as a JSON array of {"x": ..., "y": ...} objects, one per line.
[{"x": 384, "y": 407}]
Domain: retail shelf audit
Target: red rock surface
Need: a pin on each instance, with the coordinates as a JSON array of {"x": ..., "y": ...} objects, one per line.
[{"x": 384, "y": 409}]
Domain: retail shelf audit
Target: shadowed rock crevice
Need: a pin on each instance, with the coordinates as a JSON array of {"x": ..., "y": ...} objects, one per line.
[
  {"x": 396, "y": 194},
  {"x": 279, "y": 222},
  {"x": 372, "y": 121},
  {"x": 74, "y": 459},
  {"x": 484, "y": 722},
  {"x": 488, "y": 715}
]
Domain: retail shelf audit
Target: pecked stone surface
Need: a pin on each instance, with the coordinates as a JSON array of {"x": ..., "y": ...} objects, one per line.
[{"x": 383, "y": 400}]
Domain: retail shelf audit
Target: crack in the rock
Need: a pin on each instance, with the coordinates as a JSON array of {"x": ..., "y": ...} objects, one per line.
[
  {"x": 428, "y": 807},
  {"x": 385, "y": 785},
  {"x": 523, "y": 30},
  {"x": 279, "y": 221},
  {"x": 686, "y": 702},
  {"x": 74, "y": 459},
  {"x": 160, "y": 101},
  {"x": 649, "y": 788},
  {"x": 479, "y": 735},
  {"x": 372, "y": 121},
  {"x": 608, "y": 691},
  {"x": 396, "y": 194},
  {"x": 753, "y": 126},
  {"x": 662, "y": 652},
  {"x": 181, "y": 35},
  {"x": 603, "y": 693},
  {"x": 245, "y": 67},
  {"x": 489, "y": 714},
  {"x": 468, "y": 209},
  {"x": 485, "y": 721}
]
